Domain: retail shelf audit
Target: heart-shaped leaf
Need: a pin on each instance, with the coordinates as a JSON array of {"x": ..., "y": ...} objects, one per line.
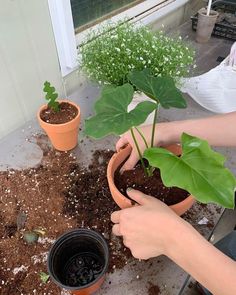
[
  {"x": 161, "y": 89},
  {"x": 112, "y": 116},
  {"x": 199, "y": 170}
]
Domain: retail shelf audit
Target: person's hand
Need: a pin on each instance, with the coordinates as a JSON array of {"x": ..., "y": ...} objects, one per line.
[
  {"x": 148, "y": 229},
  {"x": 126, "y": 138}
]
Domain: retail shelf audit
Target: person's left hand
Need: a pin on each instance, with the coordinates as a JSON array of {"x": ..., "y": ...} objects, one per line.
[{"x": 148, "y": 229}]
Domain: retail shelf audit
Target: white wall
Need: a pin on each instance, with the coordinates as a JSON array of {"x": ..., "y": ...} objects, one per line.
[{"x": 28, "y": 57}]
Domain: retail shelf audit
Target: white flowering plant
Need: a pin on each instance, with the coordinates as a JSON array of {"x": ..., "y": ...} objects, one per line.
[{"x": 114, "y": 50}]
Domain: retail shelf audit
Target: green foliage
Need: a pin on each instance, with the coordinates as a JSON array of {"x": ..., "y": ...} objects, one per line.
[
  {"x": 199, "y": 170},
  {"x": 51, "y": 96},
  {"x": 44, "y": 277},
  {"x": 111, "y": 52},
  {"x": 112, "y": 116},
  {"x": 160, "y": 89}
]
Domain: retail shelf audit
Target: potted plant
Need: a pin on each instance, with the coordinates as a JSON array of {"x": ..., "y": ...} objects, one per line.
[
  {"x": 60, "y": 120},
  {"x": 111, "y": 52},
  {"x": 199, "y": 170}
]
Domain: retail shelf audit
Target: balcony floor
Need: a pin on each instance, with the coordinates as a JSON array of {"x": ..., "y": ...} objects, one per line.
[{"x": 138, "y": 276}]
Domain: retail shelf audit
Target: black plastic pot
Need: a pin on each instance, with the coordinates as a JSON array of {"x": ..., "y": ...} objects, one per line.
[{"x": 78, "y": 261}]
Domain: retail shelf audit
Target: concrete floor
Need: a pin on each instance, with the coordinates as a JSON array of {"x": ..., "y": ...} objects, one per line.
[{"x": 18, "y": 151}]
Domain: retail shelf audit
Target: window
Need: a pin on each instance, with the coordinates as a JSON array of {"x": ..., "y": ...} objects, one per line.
[
  {"x": 87, "y": 13},
  {"x": 72, "y": 19}
]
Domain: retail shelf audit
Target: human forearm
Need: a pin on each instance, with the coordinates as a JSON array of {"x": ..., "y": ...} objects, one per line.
[
  {"x": 204, "y": 262},
  {"x": 217, "y": 130}
]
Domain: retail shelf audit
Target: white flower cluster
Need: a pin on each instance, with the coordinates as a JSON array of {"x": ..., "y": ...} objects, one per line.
[{"x": 115, "y": 51}]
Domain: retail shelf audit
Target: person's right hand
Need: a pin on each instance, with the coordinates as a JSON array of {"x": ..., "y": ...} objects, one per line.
[{"x": 148, "y": 229}]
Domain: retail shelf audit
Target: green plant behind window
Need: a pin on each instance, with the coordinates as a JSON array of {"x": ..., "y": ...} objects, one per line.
[{"x": 51, "y": 96}]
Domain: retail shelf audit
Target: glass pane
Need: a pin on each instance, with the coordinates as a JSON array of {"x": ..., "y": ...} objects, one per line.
[{"x": 89, "y": 12}]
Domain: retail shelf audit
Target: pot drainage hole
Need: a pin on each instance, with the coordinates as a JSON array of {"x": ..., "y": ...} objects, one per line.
[{"x": 82, "y": 269}]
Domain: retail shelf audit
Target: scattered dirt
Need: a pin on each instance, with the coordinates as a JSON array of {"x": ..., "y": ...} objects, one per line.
[
  {"x": 153, "y": 289},
  {"x": 90, "y": 203},
  {"x": 56, "y": 196},
  {"x": 152, "y": 186},
  {"x": 67, "y": 113}
]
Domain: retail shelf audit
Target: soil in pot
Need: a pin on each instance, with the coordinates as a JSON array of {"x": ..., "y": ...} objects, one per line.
[
  {"x": 152, "y": 186},
  {"x": 67, "y": 113}
]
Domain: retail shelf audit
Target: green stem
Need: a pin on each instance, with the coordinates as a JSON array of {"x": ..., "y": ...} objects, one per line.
[
  {"x": 143, "y": 138},
  {"x": 149, "y": 168},
  {"x": 139, "y": 152},
  {"x": 154, "y": 125}
]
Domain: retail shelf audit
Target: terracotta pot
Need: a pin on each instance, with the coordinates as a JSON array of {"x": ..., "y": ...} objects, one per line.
[
  {"x": 64, "y": 136},
  {"x": 124, "y": 202},
  {"x": 78, "y": 261}
]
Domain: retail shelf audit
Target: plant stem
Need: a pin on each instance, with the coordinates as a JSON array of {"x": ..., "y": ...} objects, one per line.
[
  {"x": 154, "y": 125},
  {"x": 143, "y": 138},
  {"x": 149, "y": 168},
  {"x": 139, "y": 152}
]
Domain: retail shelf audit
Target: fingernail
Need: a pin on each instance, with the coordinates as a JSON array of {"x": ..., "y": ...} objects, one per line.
[{"x": 129, "y": 189}]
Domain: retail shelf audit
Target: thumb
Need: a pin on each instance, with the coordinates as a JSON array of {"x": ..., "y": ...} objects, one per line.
[{"x": 138, "y": 196}]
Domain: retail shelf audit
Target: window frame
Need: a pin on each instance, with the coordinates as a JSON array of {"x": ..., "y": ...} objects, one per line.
[{"x": 67, "y": 42}]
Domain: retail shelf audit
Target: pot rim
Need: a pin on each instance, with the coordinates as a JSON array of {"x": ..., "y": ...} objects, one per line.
[
  {"x": 61, "y": 124},
  {"x": 58, "y": 242},
  {"x": 203, "y": 12}
]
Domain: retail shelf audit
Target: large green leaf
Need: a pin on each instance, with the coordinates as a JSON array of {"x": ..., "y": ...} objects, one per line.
[
  {"x": 112, "y": 116},
  {"x": 199, "y": 170},
  {"x": 161, "y": 89}
]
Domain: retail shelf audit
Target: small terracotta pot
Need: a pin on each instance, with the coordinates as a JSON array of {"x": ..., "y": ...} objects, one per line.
[
  {"x": 78, "y": 261},
  {"x": 124, "y": 202},
  {"x": 64, "y": 136}
]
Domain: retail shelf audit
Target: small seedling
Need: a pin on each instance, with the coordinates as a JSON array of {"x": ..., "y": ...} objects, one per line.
[
  {"x": 51, "y": 96},
  {"x": 44, "y": 277}
]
